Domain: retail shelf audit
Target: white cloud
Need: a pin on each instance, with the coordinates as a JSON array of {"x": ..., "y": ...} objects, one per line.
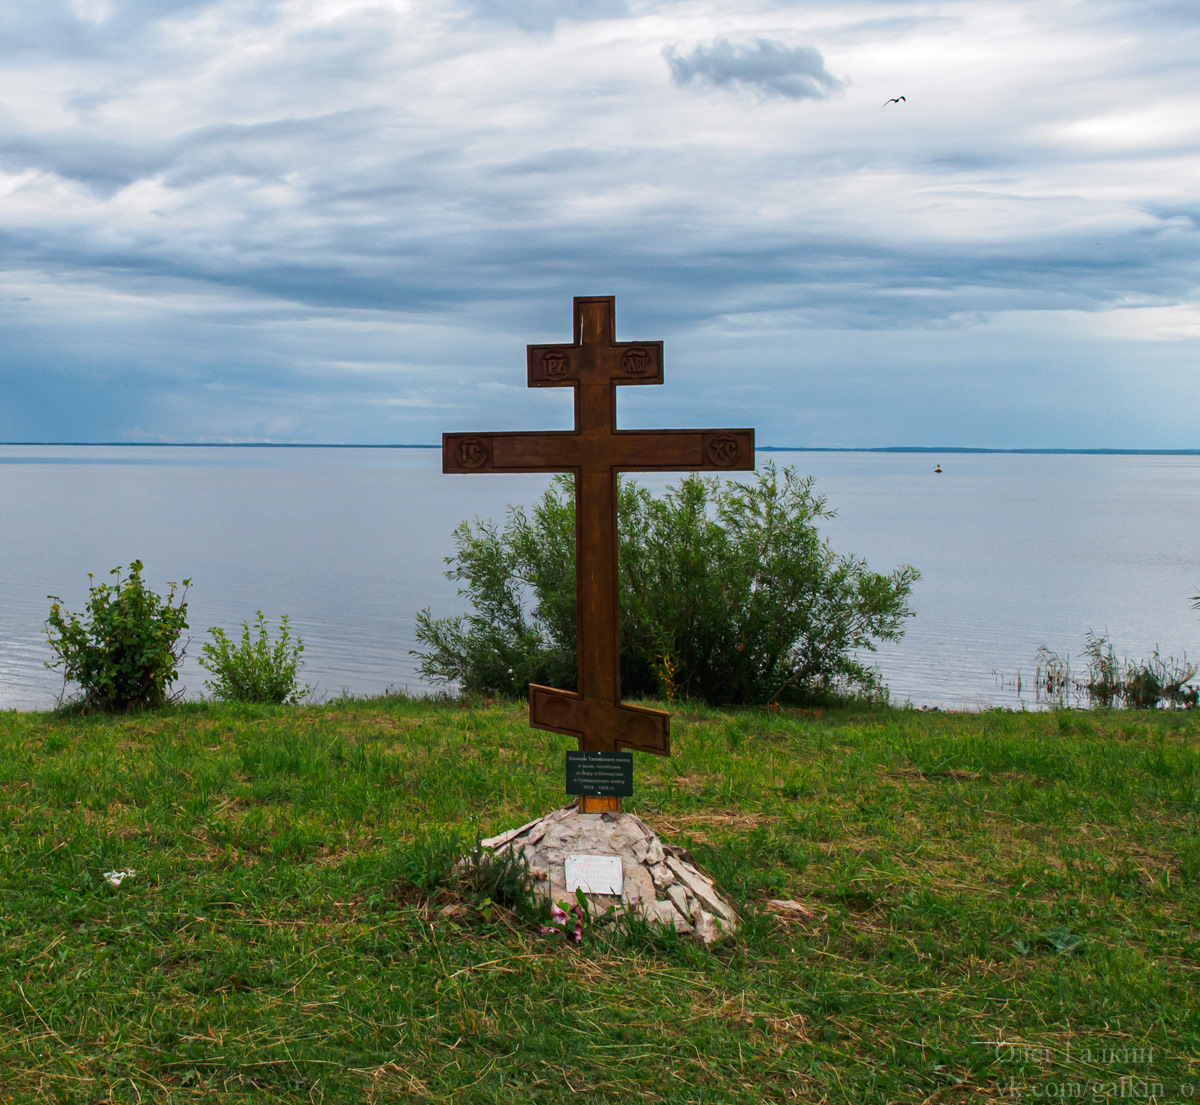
[
  {"x": 1177, "y": 322},
  {"x": 94, "y": 11}
]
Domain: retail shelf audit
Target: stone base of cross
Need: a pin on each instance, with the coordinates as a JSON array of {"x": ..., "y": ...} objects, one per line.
[{"x": 593, "y": 366}]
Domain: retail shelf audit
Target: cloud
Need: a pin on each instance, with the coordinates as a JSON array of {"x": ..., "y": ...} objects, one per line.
[
  {"x": 206, "y": 217},
  {"x": 769, "y": 67},
  {"x": 544, "y": 15},
  {"x": 91, "y": 29}
]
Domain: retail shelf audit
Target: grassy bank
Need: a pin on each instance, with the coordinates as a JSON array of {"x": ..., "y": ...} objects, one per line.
[{"x": 276, "y": 940}]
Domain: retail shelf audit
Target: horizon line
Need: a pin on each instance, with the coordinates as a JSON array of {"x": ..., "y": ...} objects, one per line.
[{"x": 951, "y": 449}]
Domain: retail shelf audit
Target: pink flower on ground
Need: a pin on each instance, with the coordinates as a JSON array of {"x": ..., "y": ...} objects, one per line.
[{"x": 558, "y": 923}]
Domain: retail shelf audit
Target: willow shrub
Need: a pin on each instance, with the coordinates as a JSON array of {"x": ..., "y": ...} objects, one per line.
[{"x": 728, "y": 595}]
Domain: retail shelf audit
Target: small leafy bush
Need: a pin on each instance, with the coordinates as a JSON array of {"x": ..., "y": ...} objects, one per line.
[
  {"x": 124, "y": 653},
  {"x": 727, "y": 595},
  {"x": 258, "y": 669}
]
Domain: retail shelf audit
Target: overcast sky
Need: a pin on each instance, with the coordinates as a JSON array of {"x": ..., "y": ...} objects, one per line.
[{"x": 341, "y": 221}]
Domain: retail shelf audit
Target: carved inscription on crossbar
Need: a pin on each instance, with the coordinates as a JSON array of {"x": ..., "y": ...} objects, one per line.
[{"x": 594, "y": 365}]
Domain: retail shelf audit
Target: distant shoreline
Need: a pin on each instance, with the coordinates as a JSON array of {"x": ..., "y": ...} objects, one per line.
[{"x": 945, "y": 449}]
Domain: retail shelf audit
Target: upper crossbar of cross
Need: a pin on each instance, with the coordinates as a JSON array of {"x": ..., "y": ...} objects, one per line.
[{"x": 594, "y": 365}]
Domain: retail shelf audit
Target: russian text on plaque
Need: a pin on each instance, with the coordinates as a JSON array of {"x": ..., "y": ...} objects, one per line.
[{"x": 609, "y": 774}]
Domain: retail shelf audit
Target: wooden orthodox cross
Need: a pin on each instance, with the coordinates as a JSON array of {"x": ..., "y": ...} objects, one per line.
[{"x": 595, "y": 451}]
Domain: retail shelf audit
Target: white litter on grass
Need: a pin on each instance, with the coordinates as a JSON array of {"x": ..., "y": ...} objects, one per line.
[{"x": 115, "y": 878}]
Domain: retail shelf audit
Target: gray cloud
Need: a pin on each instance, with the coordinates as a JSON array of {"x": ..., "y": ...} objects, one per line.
[
  {"x": 104, "y": 167},
  {"x": 768, "y": 67},
  {"x": 100, "y": 29},
  {"x": 357, "y": 225},
  {"x": 106, "y": 163},
  {"x": 544, "y": 15}
]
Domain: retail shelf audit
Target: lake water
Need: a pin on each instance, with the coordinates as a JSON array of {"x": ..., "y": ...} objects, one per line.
[{"x": 1015, "y": 551}]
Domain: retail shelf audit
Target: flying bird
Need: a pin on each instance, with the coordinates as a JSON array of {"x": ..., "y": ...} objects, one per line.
[{"x": 894, "y": 100}]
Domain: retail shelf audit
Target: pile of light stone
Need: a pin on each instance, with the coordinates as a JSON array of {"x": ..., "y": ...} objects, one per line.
[{"x": 658, "y": 883}]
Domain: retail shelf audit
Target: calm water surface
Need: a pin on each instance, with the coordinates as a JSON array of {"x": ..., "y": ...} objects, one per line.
[{"x": 1015, "y": 552}]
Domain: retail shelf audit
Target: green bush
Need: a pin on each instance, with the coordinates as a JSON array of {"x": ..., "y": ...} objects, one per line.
[
  {"x": 727, "y": 595},
  {"x": 257, "y": 670},
  {"x": 125, "y": 653}
]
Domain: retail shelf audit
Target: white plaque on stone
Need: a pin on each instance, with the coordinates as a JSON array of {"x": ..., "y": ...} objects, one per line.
[{"x": 594, "y": 874}]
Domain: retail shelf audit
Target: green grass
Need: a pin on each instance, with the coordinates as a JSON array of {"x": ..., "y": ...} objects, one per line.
[{"x": 285, "y": 935}]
